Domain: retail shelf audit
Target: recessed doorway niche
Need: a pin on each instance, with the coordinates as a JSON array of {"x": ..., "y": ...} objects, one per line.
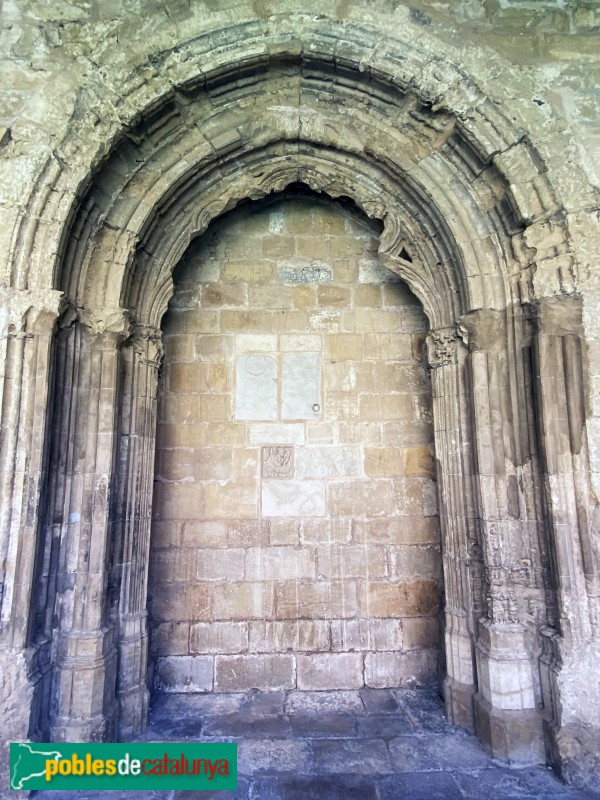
[{"x": 295, "y": 539}]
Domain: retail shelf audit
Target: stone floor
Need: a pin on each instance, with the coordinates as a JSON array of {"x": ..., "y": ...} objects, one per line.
[{"x": 376, "y": 744}]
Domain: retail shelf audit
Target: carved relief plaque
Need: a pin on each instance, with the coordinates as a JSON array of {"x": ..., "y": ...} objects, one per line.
[{"x": 278, "y": 462}]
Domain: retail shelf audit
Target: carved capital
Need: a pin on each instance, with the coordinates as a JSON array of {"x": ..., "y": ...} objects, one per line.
[
  {"x": 442, "y": 346},
  {"x": 146, "y": 341},
  {"x": 26, "y": 312}
]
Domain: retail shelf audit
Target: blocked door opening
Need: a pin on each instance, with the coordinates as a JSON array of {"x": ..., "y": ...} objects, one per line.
[{"x": 295, "y": 539}]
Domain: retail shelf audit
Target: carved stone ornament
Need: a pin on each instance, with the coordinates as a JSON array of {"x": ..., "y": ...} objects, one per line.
[
  {"x": 441, "y": 346},
  {"x": 278, "y": 462}
]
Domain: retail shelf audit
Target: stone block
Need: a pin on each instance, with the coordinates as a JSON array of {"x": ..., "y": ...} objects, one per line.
[
  {"x": 178, "y": 347},
  {"x": 326, "y": 320},
  {"x": 341, "y": 406},
  {"x": 300, "y": 386},
  {"x": 312, "y": 247},
  {"x": 284, "y": 532},
  {"x": 220, "y": 295},
  {"x": 256, "y": 387},
  {"x": 325, "y": 531},
  {"x": 328, "y": 462},
  {"x": 385, "y": 599},
  {"x": 366, "y": 634},
  {"x": 203, "y": 533},
  {"x": 384, "y": 670},
  {"x": 233, "y": 499},
  {"x": 386, "y": 406},
  {"x": 277, "y": 433},
  {"x": 271, "y": 296},
  {"x": 179, "y": 602},
  {"x": 279, "y": 563},
  {"x": 304, "y": 271},
  {"x": 221, "y": 433},
  {"x": 187, "y": 377},
  {"x": 293, "y": 498},
  {"x": 211, "y": 463},
  {"x": 320, "y": 433},
  {"x": 211, "y": 347},
  {"x": 384, "y": 462},
  {"x": 359, "y": 498},
  {"x": 219, "y": 377},
  {"x": 387, "y": 346},
  {"x": 245, "y": 464},
  {"x": 368, "y": 296},
  {"x": 276, "y": 247},
  {"x": 243, "y": 673},
  {"x": 170, "y": 638},
  {"x": 352, "y": 561},
  {"x": 300, "y": 343},
  {"x": 184, "y": 674},
  {"x": 344, "y": 347},
  {"x": 421, "y": 633},
  {"x": 247, "y": 271},
  {"x": 414, "y": 561},
  {"x": 334, "y": 296},
  {"x": 316, "y": 600},
  {"x": 297, "y": 636},
  {"x": 401, "y": 530},
  {"x": 172, "y": 565},
  {"x": 246, "y": 343},
  {"x": 166, "y": 534},
  {"x": 248, "y": 532},
  {"x": 218, "y": 637},
  {"x": 304, "y": 295},
  {"x": 364, "y": 320},
  {"x": 409, "y": 495},
  {"x": 220, "y": 565},
  {"x": 372, "y": 271},
  {"x": 241, "y": 601},
  {"x": 330, "y": 671}
]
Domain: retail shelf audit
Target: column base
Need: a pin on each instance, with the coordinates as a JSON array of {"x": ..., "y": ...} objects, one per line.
[
  {"x": 514, "y": 736},
  {"x": 133, "y": 712},
  {"x": 458, "y": 703},
  {"x": 83, "y": 703}
]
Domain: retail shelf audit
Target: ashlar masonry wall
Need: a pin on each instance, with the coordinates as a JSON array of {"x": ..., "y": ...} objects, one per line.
[{"x": 295, "y": 538}]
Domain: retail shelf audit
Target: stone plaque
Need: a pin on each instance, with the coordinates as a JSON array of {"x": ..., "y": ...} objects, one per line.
[
  {"x": 256, "y": 387},
  {"x": 301, "y": 386},
  {"x": 278, "y": 462}
]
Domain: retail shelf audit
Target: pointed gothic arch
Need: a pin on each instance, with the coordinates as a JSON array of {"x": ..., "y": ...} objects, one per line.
[{"x": 461, "y": 192}]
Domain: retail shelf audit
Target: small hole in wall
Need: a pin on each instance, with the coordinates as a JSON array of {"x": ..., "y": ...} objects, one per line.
[{"x": 404, "y": 254}]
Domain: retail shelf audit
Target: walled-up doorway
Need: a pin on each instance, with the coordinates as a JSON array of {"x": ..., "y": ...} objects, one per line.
[{"x": 295, "y": 538}]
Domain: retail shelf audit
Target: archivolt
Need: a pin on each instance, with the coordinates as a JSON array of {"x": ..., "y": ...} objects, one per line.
[{"x": 454, "y": 185}]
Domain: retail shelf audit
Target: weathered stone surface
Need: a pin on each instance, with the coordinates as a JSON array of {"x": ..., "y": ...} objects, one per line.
[{"x": 476, "y": 172}]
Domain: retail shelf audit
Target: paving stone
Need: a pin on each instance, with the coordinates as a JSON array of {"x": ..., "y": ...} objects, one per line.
[
  {"x": 322, "y": 702},
  {"x": 383, "y": 726},
  {"x": 365, "y": 756},
  {"x": 413, "y": 754},
  {"x": 379, "y": 701},
  {"x": 311, "y": 726},
  {"x": 420, "y": 786},
  {"x": 241, "y": 793},
  {"x": 264, "y": 703},
  {"x": 251, "y": 727},
  {"x": 258, "y": 755},
  {"x": 333, "y": 787}
]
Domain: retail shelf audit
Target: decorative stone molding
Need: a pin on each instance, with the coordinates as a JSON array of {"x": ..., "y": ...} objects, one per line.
[
  {"x": 24, "y": 311},
  {"x": 442, "y": 346}
]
